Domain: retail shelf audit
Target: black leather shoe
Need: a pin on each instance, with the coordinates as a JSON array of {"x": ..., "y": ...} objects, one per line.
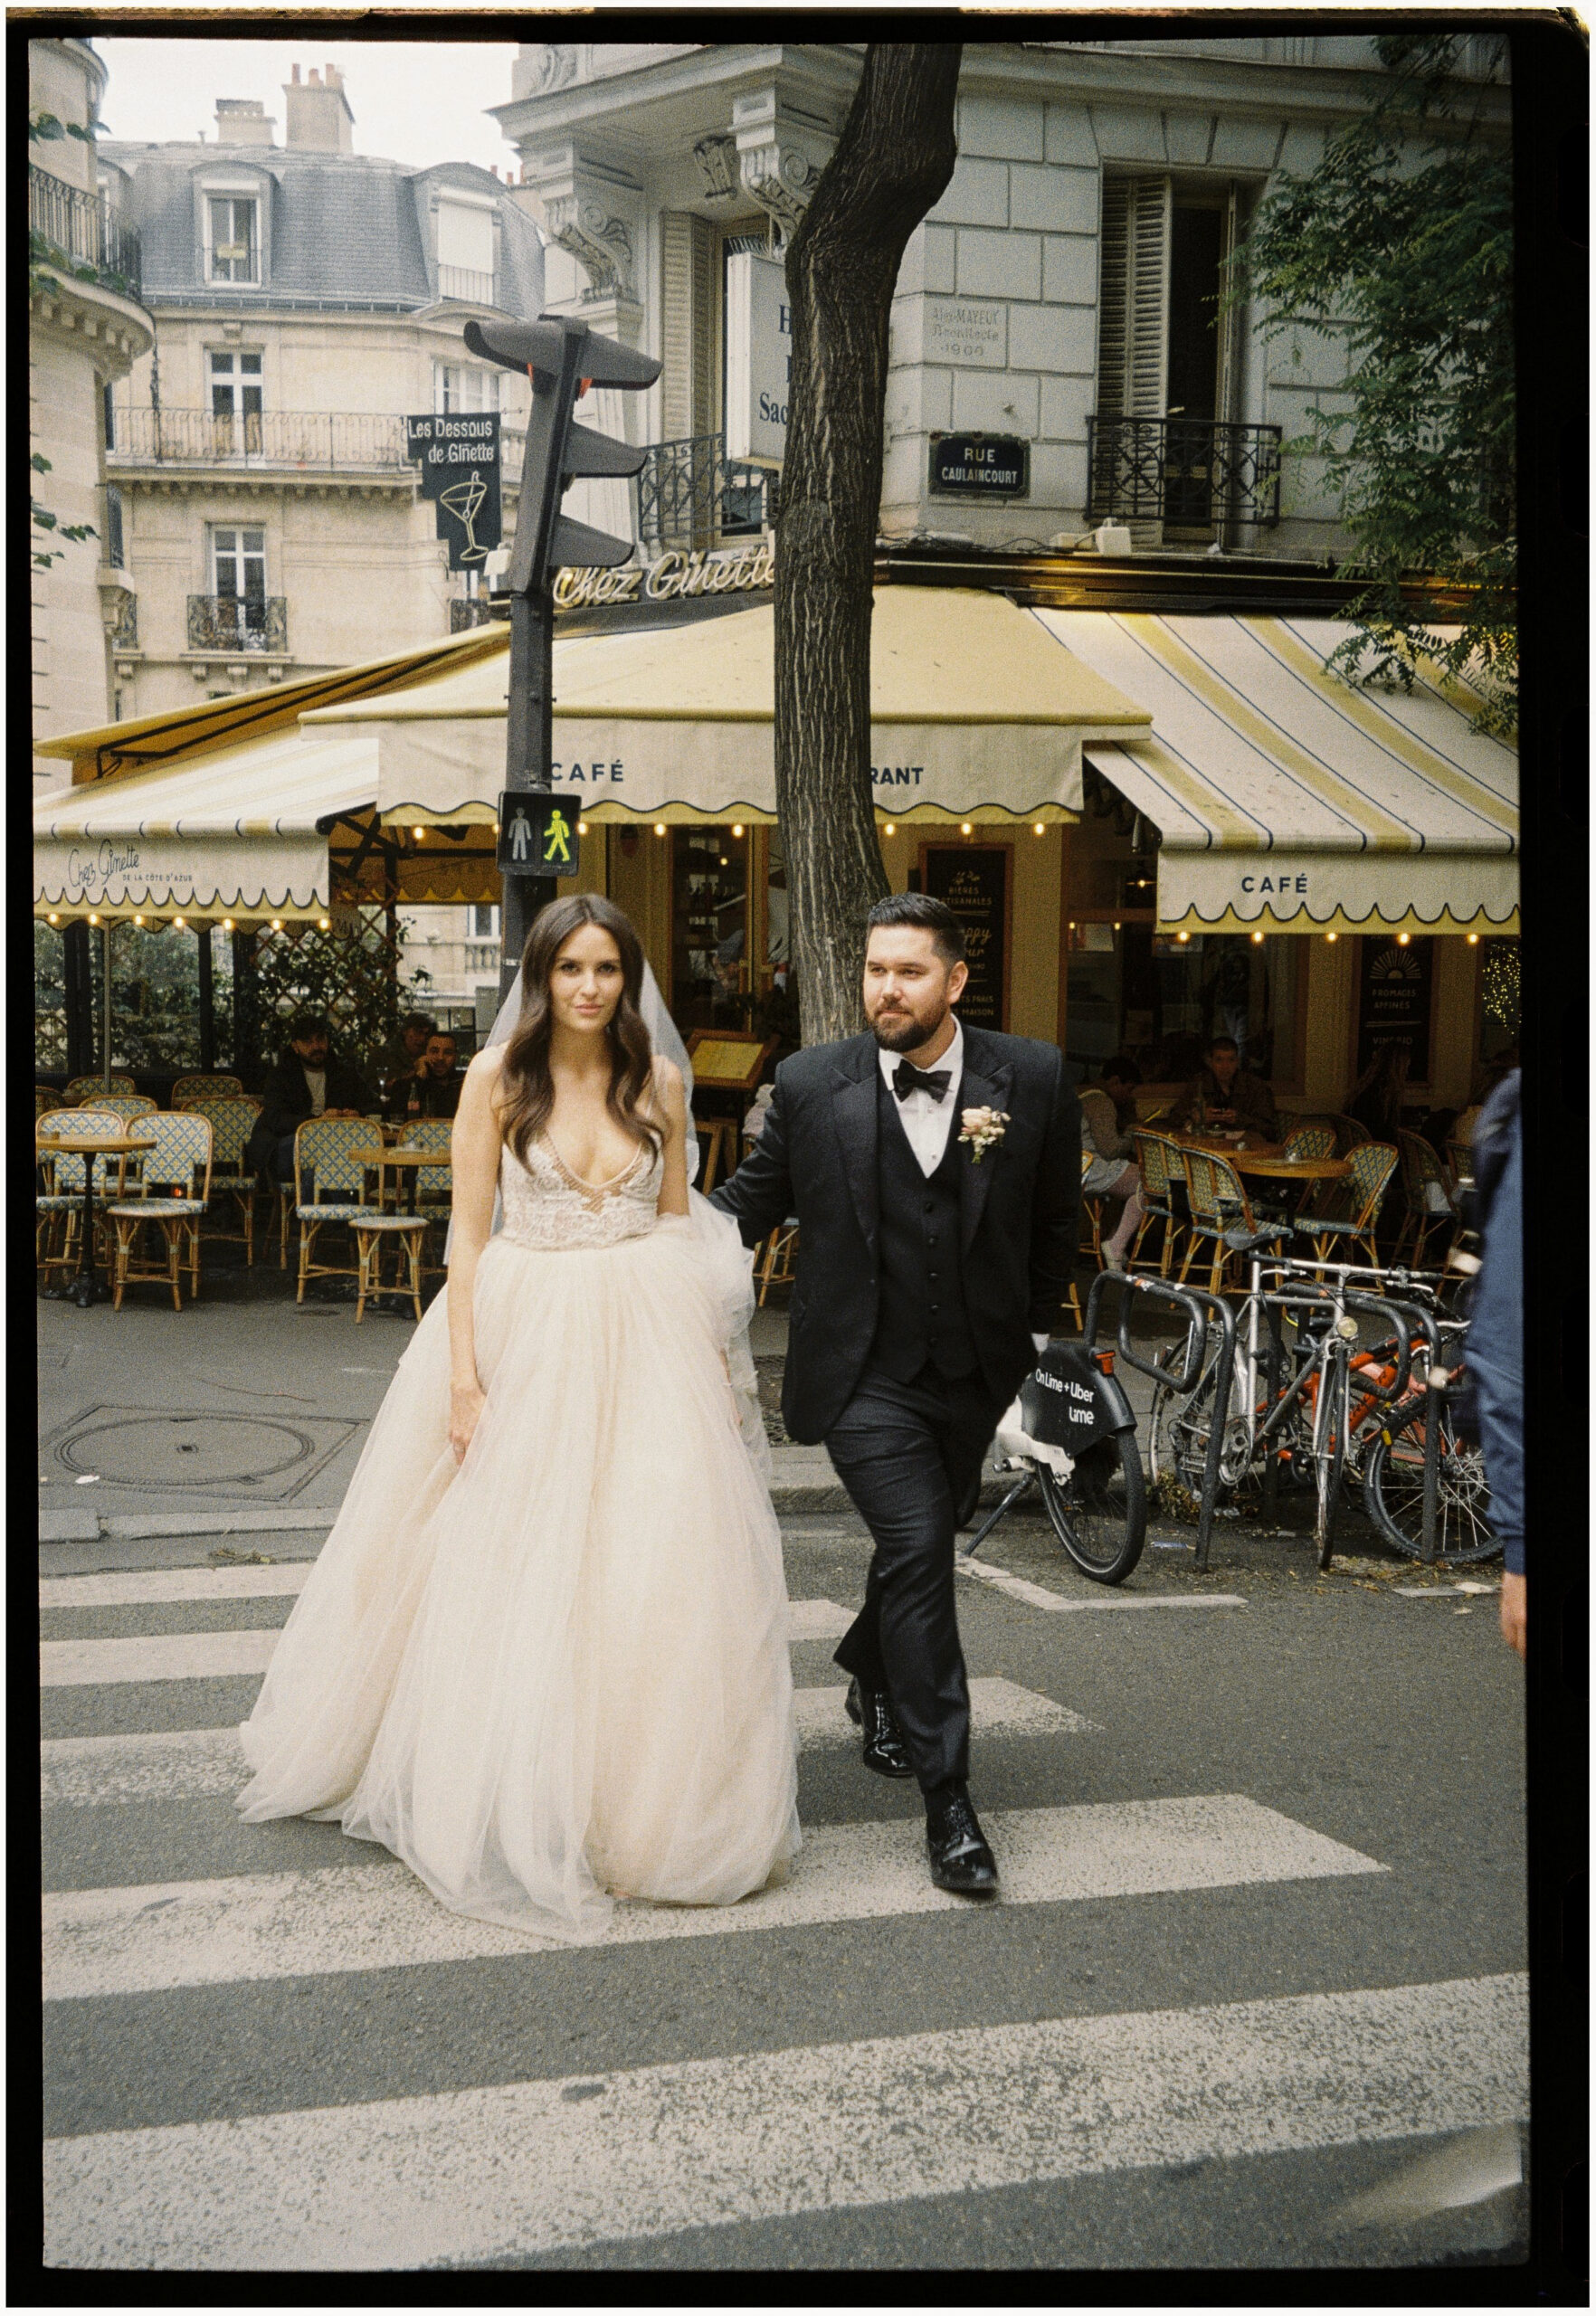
[
  {"x": 883, "y": 1750},
  {"x": 960, "y": 1858}
]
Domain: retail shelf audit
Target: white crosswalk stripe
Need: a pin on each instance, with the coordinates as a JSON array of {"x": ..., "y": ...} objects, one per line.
[
  {"x": 188, "y": 1764},
  {"x": 529, "y": 2168},
  {"x": 1037, "y": 1596},
  {"x": 205, "y": 1656},
  {"x": 372, "y": 1917}
]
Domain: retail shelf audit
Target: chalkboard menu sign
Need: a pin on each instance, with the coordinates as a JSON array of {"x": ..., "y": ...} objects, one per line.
[
  {"x": 974, "y": 880},
  {"x": 1395, "y": 983}
]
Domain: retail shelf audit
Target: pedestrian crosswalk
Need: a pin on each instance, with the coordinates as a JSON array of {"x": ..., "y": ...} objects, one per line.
[{"x": 428, "y": 2175}]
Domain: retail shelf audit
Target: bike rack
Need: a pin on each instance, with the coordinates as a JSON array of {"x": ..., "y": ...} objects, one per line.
[{"x": 1198, "y": 1305}]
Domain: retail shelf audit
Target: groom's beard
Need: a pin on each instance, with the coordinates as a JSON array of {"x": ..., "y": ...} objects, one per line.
[{"x": 904, "y": 1032}]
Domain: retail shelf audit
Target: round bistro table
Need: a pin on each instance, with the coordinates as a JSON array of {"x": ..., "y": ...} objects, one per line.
[{"x": 86, "y": 1287}]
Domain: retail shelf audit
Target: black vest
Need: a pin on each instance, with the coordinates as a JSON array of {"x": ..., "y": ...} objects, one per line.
[{"x": 921, "y": 1305}]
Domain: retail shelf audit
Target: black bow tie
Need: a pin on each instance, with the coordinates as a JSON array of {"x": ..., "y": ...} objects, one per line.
[{"x": 907, "y": 1080}]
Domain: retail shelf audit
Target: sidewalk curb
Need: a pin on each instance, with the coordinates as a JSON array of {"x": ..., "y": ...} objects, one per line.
[{"x": 89, "y": 1527}]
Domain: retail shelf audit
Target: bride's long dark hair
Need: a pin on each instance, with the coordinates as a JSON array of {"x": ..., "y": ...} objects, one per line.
[{"x": 526, "y": 1083}]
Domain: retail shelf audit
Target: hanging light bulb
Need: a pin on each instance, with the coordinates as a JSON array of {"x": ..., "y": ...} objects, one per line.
[
  {"x": 966, "y": 827},
  {"x": 1404, "y": 939},
  {"x": 581, "y": 828},
  {"x": 737, "y": 827},
  {"x": 92, "y": 918},
  {"x": 227, "y": 925},
  {"x": 418, "y": 834},
  {"x": 56, "y": 920},
  {"x": 138, "y": 920},
  {"x": 181, "y": 923},
  {"x": 277, "y": 925},
  {"x": 1473, "y": 938},
  {"x": 892, "y": 831},
  {"x": 1329, "y": 937},
  {"x": 658, "y": 828},
  {"x": 1182, "y": 936},
  {"x": 1039, "y": 830},
  {"x": 325, "y": 923}
]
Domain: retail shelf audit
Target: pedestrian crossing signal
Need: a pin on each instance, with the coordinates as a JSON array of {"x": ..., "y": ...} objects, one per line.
[{"x": 538, "y": 833}]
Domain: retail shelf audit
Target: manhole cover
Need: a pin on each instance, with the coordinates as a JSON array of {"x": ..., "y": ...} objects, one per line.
[{"x": 204, "y": 1450}]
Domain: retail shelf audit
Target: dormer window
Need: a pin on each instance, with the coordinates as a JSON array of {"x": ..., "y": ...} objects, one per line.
[
  {"x": 234, "y": 222},
  {"x": 465, "y": 230}
]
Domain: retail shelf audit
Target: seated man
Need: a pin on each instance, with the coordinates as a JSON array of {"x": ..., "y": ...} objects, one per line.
[
  {"x": 431, "y": 1089},
  {"x": 1223, "y": 1095},
  {"x": 398, "y": 1058},
  {"x": 309, "y": 1082}
]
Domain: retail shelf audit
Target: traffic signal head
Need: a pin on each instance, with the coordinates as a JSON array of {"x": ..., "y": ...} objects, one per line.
[{"x": 562, "y": 357}]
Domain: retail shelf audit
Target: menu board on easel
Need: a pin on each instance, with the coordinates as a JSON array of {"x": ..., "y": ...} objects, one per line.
[
  {"x": 1395, "y": 983},
  {"x": 974, "y": 880}
]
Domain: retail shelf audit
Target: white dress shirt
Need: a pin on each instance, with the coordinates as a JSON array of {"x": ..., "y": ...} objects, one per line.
[
  {"x": 316, "y": 1079},
  {"x": 928, "y": 1123}
]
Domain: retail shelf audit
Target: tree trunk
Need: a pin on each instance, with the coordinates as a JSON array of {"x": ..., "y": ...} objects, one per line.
[{"x": 893, "y": 161}]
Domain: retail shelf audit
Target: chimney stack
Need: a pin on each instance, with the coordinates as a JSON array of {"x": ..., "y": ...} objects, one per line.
[
  {"x": 241, "y": 121},
  {"x": 318, "y": 117}
]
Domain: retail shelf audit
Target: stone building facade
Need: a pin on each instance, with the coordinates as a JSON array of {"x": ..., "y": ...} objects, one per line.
[{"x": 86, "y": 330}]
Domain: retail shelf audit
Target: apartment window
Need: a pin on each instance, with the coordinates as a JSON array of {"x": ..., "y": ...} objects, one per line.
[
  {"x": 1165, "y": 352},
  {"x": 239, "y": 562},
  {"x": 465, "y": 250},
  {"x": 235, "y": 237},
  {"x": 461, "y": 385},
  {"x": 484, "y": 921},
  {"x": 111, "y": 418},
  {"x": 235, "y": 401}
]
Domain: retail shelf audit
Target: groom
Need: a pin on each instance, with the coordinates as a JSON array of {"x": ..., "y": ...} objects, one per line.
[{"x": 929, "y": 1270}]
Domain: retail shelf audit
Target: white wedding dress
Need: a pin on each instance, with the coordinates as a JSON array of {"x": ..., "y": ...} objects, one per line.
[{"x": 558, "y": 1670}]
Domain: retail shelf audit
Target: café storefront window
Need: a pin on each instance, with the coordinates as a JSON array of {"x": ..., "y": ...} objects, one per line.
[
  {"x": 1498, "y": 1001},
  {"x": 729, "y": 955},
  {"x": 1161, "y": 998}
]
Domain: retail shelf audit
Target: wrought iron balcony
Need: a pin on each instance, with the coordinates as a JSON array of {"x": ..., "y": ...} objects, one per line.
[
  {"x": 690, "y": 494},
  {"x": 1191, "y": 474},
  {"x": 309, "y": 442},
  {"x": 230, "y": 624},
  {"x": 471, "y": 610},
  {"x": 81, "y": 232}
]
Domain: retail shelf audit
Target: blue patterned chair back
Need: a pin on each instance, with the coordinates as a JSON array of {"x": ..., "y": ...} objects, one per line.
[
  {"x": 432, "y": 1134},
  {"x": 1153, "y": 1155},
  {"x": 211, "y": 1082},
  {"x": 232, "y": 1121},
  {"x": 181, "y": 1159},
  {"x": 84, "y": 1089},
  {"x": 87, "y": 1126},
  {"x": 127, "y": 1107},
  {"x": 1311, "y": 1138},
  {"x": 1370, "y": 1167},
  {"x": 325, "y": 1146},
  {"x": 1214, "y": 1188},
  {"x": 1421, "y": 1168}
]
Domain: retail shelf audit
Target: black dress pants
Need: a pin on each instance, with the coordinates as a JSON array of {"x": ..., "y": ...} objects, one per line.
[{"x": 908, "y": 1454}]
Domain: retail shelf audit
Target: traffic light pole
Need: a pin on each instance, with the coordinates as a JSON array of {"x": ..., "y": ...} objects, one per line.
[{"x": 529, "y": 761}]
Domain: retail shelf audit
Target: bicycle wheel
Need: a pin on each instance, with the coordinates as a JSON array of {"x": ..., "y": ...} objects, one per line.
[
  {"x": 1393, "y": 1490},
  {"x": 1099, "y": 1514}
]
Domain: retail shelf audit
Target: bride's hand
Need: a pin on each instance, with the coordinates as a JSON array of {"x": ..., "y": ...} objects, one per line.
[{"x": 466, "y": 1401}]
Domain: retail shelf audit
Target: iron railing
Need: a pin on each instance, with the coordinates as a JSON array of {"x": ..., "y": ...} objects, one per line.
[
  {"x": 690, "y": 493},
  {"x": 318, "y": 440},
  {"x": 79, "y": 231},
  {"x": 471, "y": 289},
  {"x": 230, "y": 623},
  {"x": 471, "y": 610},
  {"x": 115, "y": 553},
  {"x": 1193, "y": 474}
]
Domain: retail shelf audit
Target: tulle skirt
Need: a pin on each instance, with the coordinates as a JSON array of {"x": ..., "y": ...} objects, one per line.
[{"x": 558, "y": 1670}]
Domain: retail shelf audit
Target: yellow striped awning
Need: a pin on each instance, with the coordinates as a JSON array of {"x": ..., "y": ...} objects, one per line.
[{"x": 1291, "y": 800}]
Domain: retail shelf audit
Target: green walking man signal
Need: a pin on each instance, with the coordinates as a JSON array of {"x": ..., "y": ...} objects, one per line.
[{"x": 537, "y": 832}]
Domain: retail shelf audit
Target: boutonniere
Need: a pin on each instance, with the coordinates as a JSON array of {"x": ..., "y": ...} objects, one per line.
[{"x": 981, "y": 1129}]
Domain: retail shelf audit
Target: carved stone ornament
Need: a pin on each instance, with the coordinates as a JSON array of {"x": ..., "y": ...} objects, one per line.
[
  {"x": 781, "y": 179},
  {"x": 717, "y": 156},
  {"x": 601, "y": 244},
  {"x": 552, "y": 66}
]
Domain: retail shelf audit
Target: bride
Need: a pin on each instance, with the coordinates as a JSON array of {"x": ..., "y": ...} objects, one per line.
[{"x": 543, "y": 1655}]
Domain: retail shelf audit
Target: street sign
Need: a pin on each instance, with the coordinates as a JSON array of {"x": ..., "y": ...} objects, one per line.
[
  {"x": 980, "y": 466},
  {"x": 537, "y": 832},
  {"x": 759, "y": 357},
  {"x": 458, "y": 453}
]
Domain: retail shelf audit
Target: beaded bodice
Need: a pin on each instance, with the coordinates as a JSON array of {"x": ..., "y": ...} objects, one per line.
[{"x": 547, "y": 1207}]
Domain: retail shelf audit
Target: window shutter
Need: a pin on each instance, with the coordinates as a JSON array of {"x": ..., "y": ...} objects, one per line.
[
  {"x": 687, "y": 338},
  {"x": 1133, "y": 314}
]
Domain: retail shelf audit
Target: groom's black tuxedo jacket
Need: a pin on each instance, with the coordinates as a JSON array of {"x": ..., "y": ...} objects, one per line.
[{"x": 1019, "y": 1210}]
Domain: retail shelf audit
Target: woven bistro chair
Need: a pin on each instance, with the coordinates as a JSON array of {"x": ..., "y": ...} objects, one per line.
[
  {"x": 1091, "y": 1214},
  {"x": 1310, "y": 1138},
  {"x": 1162, "y": 1167},
  {"x": 373, "y": 1229},
  {"x": 128, "y": 1106},
  {"x": 59, "y": 1204},
  {"x": 1218, "y": 1203},
  {"x": 208, "y": 1082},
  {"x": 84, "y": 1089},
  {"x": 434, "y": 1185},
  {"x": 324, "y": 1163},
  {"x": 778, "y": 1259},
  {"x": 173, "y": 1196},
  {"x": 46, "y": 1098},
  {"x": 233, "y": 1120},
  {"x": 1429, "y": 1198},
  {"x": 1371, "y": 1166},
  {"x": 1349, "y": 1133}
]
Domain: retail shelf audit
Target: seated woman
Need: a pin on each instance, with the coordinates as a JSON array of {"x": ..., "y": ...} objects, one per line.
[{"x": 1107, "y": 1114}]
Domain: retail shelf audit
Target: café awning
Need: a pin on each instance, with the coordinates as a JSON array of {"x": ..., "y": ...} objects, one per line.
[
  {"x": 975, "y": 715},
  {"x": 1290, "y": 800},
  {"x": 242, "y": 832}
]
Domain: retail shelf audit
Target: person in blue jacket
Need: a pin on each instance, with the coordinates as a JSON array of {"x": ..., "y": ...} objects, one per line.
[{"x": 1494, "y": 1353}]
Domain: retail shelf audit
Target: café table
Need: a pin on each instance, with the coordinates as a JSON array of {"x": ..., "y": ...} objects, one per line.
[
  {"x": 397, "y": 1154},
  {"x": 1268, "y": 1162},
  {"x": 86, "y": 1287}
]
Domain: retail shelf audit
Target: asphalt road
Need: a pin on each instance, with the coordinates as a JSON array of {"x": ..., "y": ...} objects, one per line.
[{"x": 1252, "y": 1997}]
